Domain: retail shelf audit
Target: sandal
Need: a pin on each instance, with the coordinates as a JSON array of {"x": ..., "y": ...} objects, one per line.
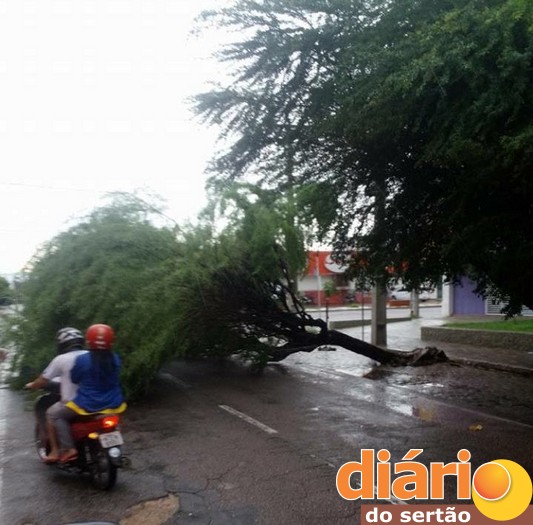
[
  {"x": 67, "y": 458},
  {"x": 50, "y": 459}
]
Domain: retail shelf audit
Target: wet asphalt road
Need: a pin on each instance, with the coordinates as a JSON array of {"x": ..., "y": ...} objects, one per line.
[
  {"x": 242, "y": 449},
  {"x": 184, "y": 441}
]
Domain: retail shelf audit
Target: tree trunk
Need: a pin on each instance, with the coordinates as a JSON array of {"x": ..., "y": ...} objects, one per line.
[
  {"x": 417, "y": 357},
  {"x": 379, "y": 315},
  {"x": 415, "y": 304}
]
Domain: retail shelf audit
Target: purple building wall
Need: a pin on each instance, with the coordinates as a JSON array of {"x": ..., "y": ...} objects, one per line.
[{"x": 465, "y": 301}]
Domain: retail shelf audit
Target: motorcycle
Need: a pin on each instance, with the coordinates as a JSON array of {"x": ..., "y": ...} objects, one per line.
[{"x": 97, "y": 438}]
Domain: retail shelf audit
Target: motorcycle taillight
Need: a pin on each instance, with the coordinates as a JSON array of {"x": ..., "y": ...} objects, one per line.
[{"x": 109, "y": 422}]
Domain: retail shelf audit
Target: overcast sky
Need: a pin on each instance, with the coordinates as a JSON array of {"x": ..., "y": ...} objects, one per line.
[{"x": 92, "y": 100}]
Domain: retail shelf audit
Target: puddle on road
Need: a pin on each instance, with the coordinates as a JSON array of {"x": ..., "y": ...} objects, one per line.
[
  {"x": 396, "y": 378},
  {"x": 332, "y": 363},
  {"x": 332, "y": 359},
  {"x": 433, "y": 394}
]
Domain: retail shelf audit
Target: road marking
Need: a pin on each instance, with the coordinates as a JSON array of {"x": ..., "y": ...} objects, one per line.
[
  {"x": 174, "y": 380},
  {"x": 248, "y": 419},
  {"x": 270, "y": 430}
]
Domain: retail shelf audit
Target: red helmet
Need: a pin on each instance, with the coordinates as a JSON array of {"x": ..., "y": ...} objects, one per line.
[{"x": 100, "y": 337}]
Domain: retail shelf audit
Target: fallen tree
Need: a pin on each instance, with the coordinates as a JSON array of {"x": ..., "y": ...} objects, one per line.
[
  {"x": 204, "y": 294},
  {"x": 417, "y": 357},
  {"x": 237, "y": 292},
  {"x": 264, "y": 321}
]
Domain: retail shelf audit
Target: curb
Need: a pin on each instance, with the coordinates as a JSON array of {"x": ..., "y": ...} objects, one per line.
[
  {"x": 485, "y": 365},
  {"x": 354, "y": 323}
]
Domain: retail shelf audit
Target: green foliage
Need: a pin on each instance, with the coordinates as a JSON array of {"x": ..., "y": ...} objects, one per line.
[
  {"x": 111, "y": 269},
  {"x": 419, "y": 112},
  {"x": 204, "y": 294},
  {"x": 6, "y": 292},
  {"x": 330, "y": 289},
  {"x": 265, "y": 224},
  {"x": 233, "y": 286}
]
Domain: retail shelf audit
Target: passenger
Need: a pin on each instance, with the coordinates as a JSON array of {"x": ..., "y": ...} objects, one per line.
[
  {"x": 96, "y": 373},
  {"x": 70, "y": 344}
]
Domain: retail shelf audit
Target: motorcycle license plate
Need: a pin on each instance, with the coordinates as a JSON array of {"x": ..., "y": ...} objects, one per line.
[{"x": 111, "y": 439}]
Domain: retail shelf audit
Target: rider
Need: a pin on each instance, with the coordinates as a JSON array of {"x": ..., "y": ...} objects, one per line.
[
  {"x": 56, "y": 378},
  {"x": 96, "y": 373}
]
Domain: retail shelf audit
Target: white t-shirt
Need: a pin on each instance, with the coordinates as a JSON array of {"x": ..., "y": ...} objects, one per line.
[{"x": 60, "y": 367}]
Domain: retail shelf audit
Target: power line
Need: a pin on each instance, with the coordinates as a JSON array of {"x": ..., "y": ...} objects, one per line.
[
  {"x": 48, "y": 187},
  {"x": 110, "y": 192}
]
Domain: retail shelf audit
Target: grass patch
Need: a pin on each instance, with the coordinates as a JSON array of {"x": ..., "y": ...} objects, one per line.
[{"x": 510, "y": 325}]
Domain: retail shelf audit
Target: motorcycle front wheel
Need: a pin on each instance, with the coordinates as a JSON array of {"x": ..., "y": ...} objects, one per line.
[{"x": 103, "y": 472}]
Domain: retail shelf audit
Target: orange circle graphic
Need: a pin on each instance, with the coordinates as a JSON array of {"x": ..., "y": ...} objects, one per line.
[{"x": 492, "y": 481}]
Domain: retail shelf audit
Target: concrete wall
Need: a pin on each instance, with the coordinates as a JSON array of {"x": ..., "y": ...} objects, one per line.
[
  {"x": 447, "y": 300},
  {"x": 351, "y": 323}
]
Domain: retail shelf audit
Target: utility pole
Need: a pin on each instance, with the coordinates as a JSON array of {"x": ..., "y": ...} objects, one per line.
[
  {"x": 415, "y": 304},
  {"x": 379, "y": 290},
  {"x": 379, "y": 315},
  {"x": 318, "y": 282}
]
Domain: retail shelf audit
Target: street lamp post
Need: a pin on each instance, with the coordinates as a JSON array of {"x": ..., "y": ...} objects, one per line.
[{"x": 319, "y": 284}]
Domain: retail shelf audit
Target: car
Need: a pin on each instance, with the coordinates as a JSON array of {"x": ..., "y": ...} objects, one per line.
[
  {"x": 426, "y": 294},
  {"x": 399, "y": 294},
  {"x": 402, "y": 294}
]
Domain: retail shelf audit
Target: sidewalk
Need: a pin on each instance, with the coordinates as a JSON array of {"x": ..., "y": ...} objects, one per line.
[
  {"x": 405, "y": 336},
  {"x": 507, "y": 359}
]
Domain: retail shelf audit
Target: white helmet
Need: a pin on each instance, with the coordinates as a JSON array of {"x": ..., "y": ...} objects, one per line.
[{"x": 69, "y": 338}]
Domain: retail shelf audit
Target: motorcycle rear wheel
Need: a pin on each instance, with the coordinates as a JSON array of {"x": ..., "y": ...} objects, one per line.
[{"x": 103, "y": 472}]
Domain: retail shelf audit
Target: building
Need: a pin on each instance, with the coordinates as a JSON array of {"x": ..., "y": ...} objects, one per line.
[
  {"x": 461, "y": 300},
  {"x": 321, "y": 270}
]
